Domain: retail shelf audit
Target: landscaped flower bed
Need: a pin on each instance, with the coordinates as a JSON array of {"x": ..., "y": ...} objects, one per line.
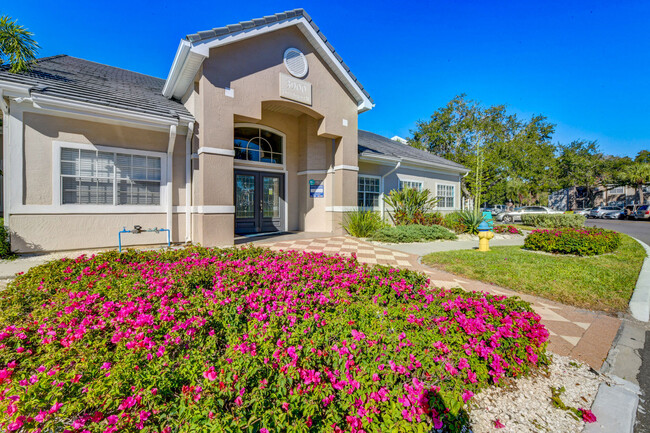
[
  {"x": 582, "y": 242},
  {"x": 249, "y": 340}
]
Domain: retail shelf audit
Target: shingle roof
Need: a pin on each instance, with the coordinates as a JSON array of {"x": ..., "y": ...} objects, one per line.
[
  {"x": 82, "y": 80},
  {"x": 258, "y": 22},
  {"x": 371, "y": 144}
]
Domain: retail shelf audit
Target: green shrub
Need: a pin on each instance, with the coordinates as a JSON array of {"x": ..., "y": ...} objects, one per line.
[
  {"x": 362, "y": 223},
  {"x": 463, "y": 221},
  {"x": 5, "y": 246},
  {"x": 249, "y": 340},
  {"x": 582, "y": 242},
  {"x": 554, "y": 221},
  {"x": 410, "y": 206},
  {"x": 412, "y": 233}
]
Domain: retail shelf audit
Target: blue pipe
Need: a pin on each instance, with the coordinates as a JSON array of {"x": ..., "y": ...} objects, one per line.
[{"x": 135, "y": 231}]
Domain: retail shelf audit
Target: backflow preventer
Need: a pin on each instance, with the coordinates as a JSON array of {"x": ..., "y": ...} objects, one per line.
[{"x": 138, "y": 229}]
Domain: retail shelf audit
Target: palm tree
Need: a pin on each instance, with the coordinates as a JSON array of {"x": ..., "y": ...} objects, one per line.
[
  {"x": 17, "y": 47},
  {"x": 637, "y": 175}
]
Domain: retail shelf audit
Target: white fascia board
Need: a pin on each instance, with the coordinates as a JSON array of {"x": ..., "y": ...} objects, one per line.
[
  {"x": 69, "y": 106},
  {"x": 409, "y": 162},
  {"x": 14, "y": 90},
  {"x": 202, "y": 48}
]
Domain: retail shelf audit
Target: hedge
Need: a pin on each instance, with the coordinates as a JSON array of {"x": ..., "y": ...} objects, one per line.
[
  {"x": 554, "y": 221},
  {"x": 412, "y": 233},
  {"x": 250, "y": 340},
  {"x": 582, "y": 242}
]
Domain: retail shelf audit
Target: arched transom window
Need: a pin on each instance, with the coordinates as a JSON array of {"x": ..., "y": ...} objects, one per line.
[{"x": 258, "y": 145}]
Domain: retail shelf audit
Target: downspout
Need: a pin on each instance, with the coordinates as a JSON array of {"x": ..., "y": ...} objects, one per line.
[
  {"x": 188, "y": 182},
  {"x": 461, "y": 188},
  {"x": 382, "y": 206},
  {"x": 170, "y": 175},
  {"x": 5, "y": 156}
]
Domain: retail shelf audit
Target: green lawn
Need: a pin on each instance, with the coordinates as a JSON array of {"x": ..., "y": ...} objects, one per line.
[{"x": 603, "y": 282}]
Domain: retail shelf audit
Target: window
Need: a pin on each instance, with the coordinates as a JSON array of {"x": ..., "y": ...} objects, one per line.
[
  {"x": 403, "y": 184},
  {"x": 617, "y": 190},
  {"x": 446, "y": 196},
  {"x": 109, "y": 178},
  {"x": 258, "y": 145},
  {"x": 368, "y": 195}
]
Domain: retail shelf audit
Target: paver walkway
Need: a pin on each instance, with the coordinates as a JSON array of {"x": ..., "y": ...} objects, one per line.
[{"x": 582, "y": 334}]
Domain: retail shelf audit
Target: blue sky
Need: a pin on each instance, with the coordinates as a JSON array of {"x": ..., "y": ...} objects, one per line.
[{"x": 583, "y": 64}]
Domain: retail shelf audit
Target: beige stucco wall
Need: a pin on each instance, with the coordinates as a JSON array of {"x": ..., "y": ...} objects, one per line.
[
  {"x": 40, "y": 231},
  {"x": 34, "y": 233},
  {"x": 251, "y": 69}
]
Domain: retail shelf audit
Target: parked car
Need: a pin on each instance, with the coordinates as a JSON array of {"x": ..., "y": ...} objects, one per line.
[
  {"x": 584, "y": 211},
  {"x": 643, "y": 212},
  {"x": 628, "y": 212},
  {"x": 598, "y": 211},
  {"x": 515, "y": 215},
  {"x": 612, "y": 215}
]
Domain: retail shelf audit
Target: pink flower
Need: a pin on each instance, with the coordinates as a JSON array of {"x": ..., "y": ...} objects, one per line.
[
  {"x": 587, "y": 415},
  {"x": 263, "y": 430},
  {"x": 105, "y": 366},
  {"x": 375, "y": 377},
  {"x": 285, "y": 406},
  {"x": 211, "y": 374},
  {"x": 498, "y": 424},
  {"x": 467, "y": 395},
  {"x": 238, "y": 401},
  {"x": 55, "y": 408}
]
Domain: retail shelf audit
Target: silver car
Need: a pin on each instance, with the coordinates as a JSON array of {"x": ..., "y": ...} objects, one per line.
[
  {"x": 598, "y": 211},
  {"x": 584, "y": 212},
  {"x": 515, "y": 215},
  {"x": 643, "y": 212}
]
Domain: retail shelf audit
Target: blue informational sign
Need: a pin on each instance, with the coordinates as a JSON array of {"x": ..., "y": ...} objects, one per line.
[{"x": 316, "y": 189}]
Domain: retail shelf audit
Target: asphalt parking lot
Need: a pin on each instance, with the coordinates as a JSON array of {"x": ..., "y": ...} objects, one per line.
[{"x": 639, "y": 229}]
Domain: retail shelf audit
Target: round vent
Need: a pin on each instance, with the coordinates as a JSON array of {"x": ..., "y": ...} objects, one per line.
[{"x": 296, "y": 62}]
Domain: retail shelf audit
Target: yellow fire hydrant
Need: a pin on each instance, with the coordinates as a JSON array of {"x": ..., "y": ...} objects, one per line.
[{"x": 484, "y": 236}]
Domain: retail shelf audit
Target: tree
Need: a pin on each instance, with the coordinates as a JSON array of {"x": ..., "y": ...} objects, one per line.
[
  {"x": 17, "y": 46},
  {"x": 496, "y": 146},
  {"x": 580, "y": 163},
  {"x": 643, "y": 156},
  {"x": 637, "y": 175}
]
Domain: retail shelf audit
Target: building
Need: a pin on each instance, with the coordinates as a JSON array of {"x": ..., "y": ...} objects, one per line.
[
  {"x": 609, "y": 195},
  {"x": 254, "y": 130}
]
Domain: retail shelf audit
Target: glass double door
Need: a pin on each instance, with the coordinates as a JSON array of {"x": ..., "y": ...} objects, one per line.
[{"x": 259, "y": 202}]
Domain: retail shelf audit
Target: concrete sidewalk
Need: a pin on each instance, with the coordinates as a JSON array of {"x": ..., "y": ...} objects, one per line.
[{"x": 424, "y": 248}]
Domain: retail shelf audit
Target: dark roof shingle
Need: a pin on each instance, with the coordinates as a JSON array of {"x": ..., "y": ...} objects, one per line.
[
  {"x": 371, "y": 144},
  {"x": 258, "y": 22},
  {"x": 82, "y": 80}
]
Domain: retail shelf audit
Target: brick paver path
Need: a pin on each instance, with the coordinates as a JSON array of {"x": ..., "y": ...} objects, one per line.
[{"x": 582, "y": 334}]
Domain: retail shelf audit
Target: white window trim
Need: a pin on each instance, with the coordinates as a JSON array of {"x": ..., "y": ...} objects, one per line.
[
  {"x": 455, "y": 185},
  {"x": 58, "y": 207},
  {"x": 263, "y": 165},
  {"x": 379, "y": 193}
]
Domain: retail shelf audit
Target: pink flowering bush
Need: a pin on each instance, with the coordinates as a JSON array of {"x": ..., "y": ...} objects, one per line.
[
  {"x": 588, "y": 241},
  {"x": 507, "y": 229},
  {"x": 249, "y": 340}
]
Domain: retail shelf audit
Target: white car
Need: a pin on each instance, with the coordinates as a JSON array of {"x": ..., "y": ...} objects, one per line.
[
  {"x": 598, "y": 211},
  {"x": 515, "y": 215}
]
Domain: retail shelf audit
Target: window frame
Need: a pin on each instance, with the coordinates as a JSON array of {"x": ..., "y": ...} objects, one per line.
[
  {"x": 57, "y": 183},
  {"x": 453, "y": 196},
  {"x": 379, "y": 192},
  {"x": 402, "y": 181},
  {"x": 266, "y": 165}
]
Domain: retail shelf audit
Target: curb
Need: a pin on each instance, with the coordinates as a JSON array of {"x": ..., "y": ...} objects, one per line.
[
  {"x": 640, "y": 301},
  {"x": 615, "y": 406}
]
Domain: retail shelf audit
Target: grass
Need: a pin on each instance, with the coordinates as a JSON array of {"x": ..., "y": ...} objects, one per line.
[{"x": 602, "y": 282}]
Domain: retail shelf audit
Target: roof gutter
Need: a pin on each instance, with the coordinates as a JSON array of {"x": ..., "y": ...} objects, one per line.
[{"x": 177, "y": 66}]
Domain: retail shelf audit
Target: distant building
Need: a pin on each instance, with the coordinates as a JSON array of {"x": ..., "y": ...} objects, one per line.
[{"x": 576, "y": 197}]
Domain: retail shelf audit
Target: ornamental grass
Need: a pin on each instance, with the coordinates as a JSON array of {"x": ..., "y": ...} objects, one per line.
[{"x": 249, "y": 340}]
